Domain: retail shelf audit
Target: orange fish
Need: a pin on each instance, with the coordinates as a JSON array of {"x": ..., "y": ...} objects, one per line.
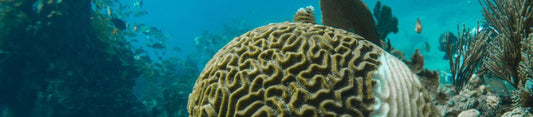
[{"x": 418, "y": 27}]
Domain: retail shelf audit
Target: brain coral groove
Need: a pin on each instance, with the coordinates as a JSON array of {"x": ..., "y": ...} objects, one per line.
[{"x": 289, "y": 69}]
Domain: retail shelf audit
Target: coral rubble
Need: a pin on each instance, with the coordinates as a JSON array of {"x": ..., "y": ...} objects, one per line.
[{"x": 474, "y": 95}]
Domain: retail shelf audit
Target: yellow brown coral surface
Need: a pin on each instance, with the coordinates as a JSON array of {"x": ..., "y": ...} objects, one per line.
[{"x": 298, "y": 69}]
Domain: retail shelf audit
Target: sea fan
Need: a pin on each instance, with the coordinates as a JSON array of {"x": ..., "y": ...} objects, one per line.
[{"x": 510, "y": 57}]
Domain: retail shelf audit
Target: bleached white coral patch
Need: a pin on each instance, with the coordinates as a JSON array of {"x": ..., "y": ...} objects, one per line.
[{"x": 398, "y": 92}]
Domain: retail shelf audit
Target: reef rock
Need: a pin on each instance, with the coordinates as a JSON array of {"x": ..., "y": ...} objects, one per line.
[
  {"x": 469, "y": 113},
  {"x": 475, "y": 95}
]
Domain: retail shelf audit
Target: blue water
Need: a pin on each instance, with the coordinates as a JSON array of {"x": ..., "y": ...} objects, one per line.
[{"x": 187, "y": 19}]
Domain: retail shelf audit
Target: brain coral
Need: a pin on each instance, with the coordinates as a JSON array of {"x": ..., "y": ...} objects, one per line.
[{"x": 301, "y": 69}]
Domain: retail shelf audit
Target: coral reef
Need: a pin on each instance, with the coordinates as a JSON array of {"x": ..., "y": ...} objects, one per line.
[
  {"x": 83, "y": 58},
  {"x": 386, "y": 23},
  {"x": 253, "y": 76},
  {"x": 350, "y": 15}
]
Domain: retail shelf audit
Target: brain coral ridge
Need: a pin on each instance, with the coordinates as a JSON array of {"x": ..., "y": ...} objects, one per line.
[{"x": 301, "y": 69}]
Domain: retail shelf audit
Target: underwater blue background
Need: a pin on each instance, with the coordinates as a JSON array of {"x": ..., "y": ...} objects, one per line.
[{"x": 184, "y": 20}]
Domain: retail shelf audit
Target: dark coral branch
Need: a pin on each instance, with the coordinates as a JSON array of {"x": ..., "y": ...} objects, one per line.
[
  {"x": 526, "y": 65},
  {"x": 417, "y": 62},
  {"x": 469, "y": 55},
  {"x": 386, "y": 23},
  {"x": 512, "y": 21}
]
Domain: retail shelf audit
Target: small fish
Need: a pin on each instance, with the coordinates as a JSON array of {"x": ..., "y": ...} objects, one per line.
[
  {"x": 138, "y": 4},
  {"x": 109, "y": 11},
  {"x": 139, "y": 51},
  {"x": 135, "y": 28},
  {"x": 38, "y": 7},
  {"x": 130, "y": 34},
  {"x": 140, "y": 13},
  {"x": 50, "y": 2},
  {"x": 427, "y": 47},
  {"x": 418, "y": 27},
  {"x": 177, "y": 49},
  {"x": 51, "y": 14},
  {"x": 120, "y": 24},
  {"x": 389, "y": 46},
  {"x": 158, "y": 46},
  {"x": 150, "y": 31}
]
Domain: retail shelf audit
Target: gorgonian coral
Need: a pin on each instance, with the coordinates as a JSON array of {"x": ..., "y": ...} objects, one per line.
[
  {"x": 512, "y": 22},
  {"x": 470, "y": 50}
]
